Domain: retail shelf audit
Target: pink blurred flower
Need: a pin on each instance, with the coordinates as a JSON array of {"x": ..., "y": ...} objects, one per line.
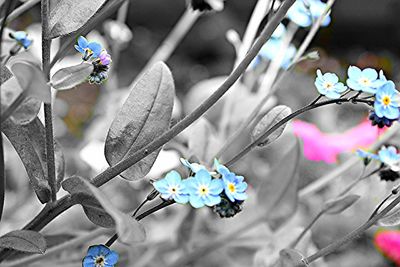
[
  {"x": 319, "y": 146},
  {"x": 388, "y": 242}
]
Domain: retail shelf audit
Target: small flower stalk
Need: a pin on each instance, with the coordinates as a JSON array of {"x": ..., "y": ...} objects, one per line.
[
  {"x": 98, "y": 56},
  {"x": 221, "y": 190}
]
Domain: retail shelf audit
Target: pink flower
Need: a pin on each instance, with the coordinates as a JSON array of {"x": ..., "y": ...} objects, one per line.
[
  {"x": 319, "y": 146},
  {"x": 388, "y": 242},
  {"x": 105, "y": 58}
]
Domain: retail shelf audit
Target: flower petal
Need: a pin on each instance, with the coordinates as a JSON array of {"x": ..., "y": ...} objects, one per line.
[
  {"x": 196, "y": 201},
  {"x": 82, "y": 42},
  {"x": 112, "y": 258}
]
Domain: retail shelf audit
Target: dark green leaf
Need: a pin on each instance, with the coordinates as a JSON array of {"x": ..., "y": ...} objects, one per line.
[
  {"x": 277, "y": 195},
  {"x": 291, "y": 258},
  {"x": 70, "y": 15},
  {"x": 68, "y": 78},
  {"x": 5, "y": 74},
  {"x": 21, "y": 139},
  {"x": 270, "y": 119},
  {"x": 31, "y": 80},
  {"x": 144, "y": 116},
  {"x": 335, "y": 206},
  {"x": 24, "y": 240}
]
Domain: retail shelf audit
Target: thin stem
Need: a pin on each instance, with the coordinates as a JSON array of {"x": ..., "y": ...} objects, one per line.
[
  {"x": 48, "y": 114},
  {"x": 259, "y": 140},
  {"x": 355, "y": 182},
  {"x": 316, "y": 218},
  {"x": 168, "y": 46},
  {"x": 353, "y": 235}
]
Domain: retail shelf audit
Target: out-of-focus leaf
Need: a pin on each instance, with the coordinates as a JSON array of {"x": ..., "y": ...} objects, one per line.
[
  {"x": 24, "y": 240},
  {"x": 68, "y": 78},
  {"x": 31, "y": 80},
  {"x": 202, "y": 140},
  {"x": 26, "y": 111},
  {"x": 271, "y": 118},
  {"x": 144, "y": 116},
  {"x": 5, "y": 74},
  {"x": 291, "y": 258},
  {"x": 21, "y": 139},
  {"x": 335, "y": 206},
  {"x": 277, "y": 195},
  {"x": 70, "y": 15},
  {"x": 390, "y": 219}
]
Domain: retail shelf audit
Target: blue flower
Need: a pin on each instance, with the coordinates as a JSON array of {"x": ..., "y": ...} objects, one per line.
[
  {"x": 234, "y": 186},
  {"x": 365, "y": 80},
  {"x": 387, "y": 101},
  {"x": 204, "y": 190},
  {"x": 328, "y": 85},
  {"x": 390, "y": 157},
  {"x": 194, "y": 167},
  {"x": 272, "y": 48},
  {"x": 88, "y": 49},
  {"x": 366, "y": 155},
  {"x": 22, "y": 38},
  {"x": 172, "y": 187},
  {"x": 303, "y": 13},
  {"x": 100, "y": 256}
]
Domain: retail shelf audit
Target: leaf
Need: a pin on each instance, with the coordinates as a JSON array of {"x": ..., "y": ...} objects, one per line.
[
  {"x": 31, "y": 80},
  {"x": 291, "y": 258},
  {"x": 202, "y": 140},
  {"x": 70, "y": 15},
  {"x": 390, "y": 219},
  {"x": 270, "y": 119},
  {"x": 277, "y": 195},
  {"x": 144, "y": 116},
  {"x": 337, "y": 205},
  {"x": 5, "y": 74},
  {"x": 24, "y": 240},
  {"x": 70, "y": 77},
  {"x": 21, "y": 139},
  {"x": 129, "y": 230}
]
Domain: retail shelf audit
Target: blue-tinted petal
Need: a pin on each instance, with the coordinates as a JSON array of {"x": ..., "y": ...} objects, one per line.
[
  {"x": 279, "y": 31},
  {"x": 212, "y": 200},
  {"x": 216, "y": 186},
  {"x": 26, "y": 43},
  {"x": 321, "y": 89},
  {"x": 319, "y": 74},
  {"x": 331, "y": 77},
  {"x": 173, "y": 178},
  {"x": 82, "y": 42},
  {"x": 354, "y": 73},
  {"x": 196, "y": 201},
  {"x": 340, "y": 87},
  {"x": 94, "y": 250},
  {"x": 203, "y": 177},
  {"x": 79, "y": 49},
  {"x": 88, "y": 261},
  {"x": 391, "y": 113},
  {"x": 181, "y": 198},
  {"x": 369, "y": 73},
  {"x": 96, "y": 48},
  {"x": 161, "y": 185},
  {"x": 368, "y": 89},
  {"x": 191, "y": 184},
  {"x": 332, "y": 95},
  {"x": 229, "y": 195},
  {"x": 240, "y": 196},
  {"x": 379, "y": 109},
  {"x": 354, "y": 85},
  {"x": 112, "y": 258},
  {"x": 241, "y": 187}
]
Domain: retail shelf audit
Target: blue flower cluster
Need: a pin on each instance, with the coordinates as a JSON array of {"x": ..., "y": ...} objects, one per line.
[
  {"x": 386, "y": 155},
  {"x": 99, "y": 57},
  {"x": 205, "y": 188},
  {"x": 21, "y": 38},
  {"x": 305, "y": 12},
  {"x": 100, "y": 256},
  {"x": 386, "y": 97}
]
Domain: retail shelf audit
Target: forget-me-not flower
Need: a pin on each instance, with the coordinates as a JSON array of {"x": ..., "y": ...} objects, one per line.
[
  {"x": 387, "y": 101},
  {"x": 203, "y": 190},
  {"x": 390, "y": 157},
  {"x": 234, "y": 186},
  {"x": 366, "y": 155},
  {"x": 88, "y": 49},
  {"x": 172, "y": 187},
  {"x": 22, "y": 38},
  {"x": 272, "y": 48},
  {"x": 100, "y": 256},
  {"x": 328, "y": 85},
  {"x": 304, "y": 12},
  {"x": 365, "y": 80}
]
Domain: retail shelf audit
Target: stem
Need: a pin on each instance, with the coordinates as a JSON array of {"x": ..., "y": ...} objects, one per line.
[
  {"x": 168, "y": 46},
  {"x": 259, "y": 140},
  {"x": 111, "y": 172},
  {"x": 48, "y": 115},
  {"x": 316, "y": 218},
  {"x": 354, "y": 234}
]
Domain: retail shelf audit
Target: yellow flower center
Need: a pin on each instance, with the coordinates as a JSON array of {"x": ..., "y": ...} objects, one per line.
[
  {"x": 231, "y": 187},
  {"x": 328, "y": 85},
  {"x": 99, "y": 261},
  {"x": 386, "y": 100},
  {"x": 173, "y": 190},
  {"x": 203, "y": 190},
  {"x": 364, "y": 81}
]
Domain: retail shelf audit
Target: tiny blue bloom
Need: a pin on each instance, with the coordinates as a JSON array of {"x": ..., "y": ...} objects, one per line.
[
  {"x": 366, "y": 155},
  {"x": 100, "y": 256},
  {"x": 194, "y": 167},
  {"x": 204, "y": 190},
  {"x": 234, "y": 186},
  {"x": 272, "y": 48},
  {"x": 387, "y": 101},
  {"x": 390, "y": 157},
  {"x": 328, "y": 85},
  {"x": 22, "y": 38},
  {"x": 172, "y": 187},
  {"x": 88, "y": 49},
  {"x": 365, "y": 80},
  {"x": 303, "y": 13}
]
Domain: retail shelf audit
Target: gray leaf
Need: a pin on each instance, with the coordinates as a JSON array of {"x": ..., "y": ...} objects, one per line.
[
  {"x": 5, "y": 74},
  {"x": 24, "y": 240},
  {"x": 291, "y": 258},
  {"x": 144, "y": 116},
  {"x": 68, "y": 78},
  {"x": 335, "y": 206}
]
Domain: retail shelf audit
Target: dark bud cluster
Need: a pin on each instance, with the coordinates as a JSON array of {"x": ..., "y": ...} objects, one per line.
[
  {"x": 200, "y": 5},
  {"x": 389, "y": 175},
  {"x": 227, "y": 208},
  {"x": 380, "y": 122},
  {"x": 99, "y": 74}
]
